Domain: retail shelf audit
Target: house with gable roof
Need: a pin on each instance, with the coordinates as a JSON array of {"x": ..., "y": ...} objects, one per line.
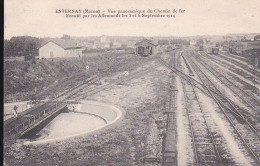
[
  {"x": 61, "y": 48},
  {"x": 146, "y": 47}
]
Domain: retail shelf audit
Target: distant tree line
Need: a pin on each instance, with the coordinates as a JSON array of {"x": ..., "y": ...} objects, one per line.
[
  {"x": 174, "y": 41},
  {"x": 257, "y": 37},
  {"x": 180, "y": 41},
  {"x": 163, "y": 42},
  {"x": 22, "y": 46}
]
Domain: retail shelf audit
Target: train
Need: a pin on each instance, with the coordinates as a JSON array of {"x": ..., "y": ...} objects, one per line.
[
  {"x": 169, "y": 149},
  {"x": 250, "y": 50},
  {"x": 254, "y": 57},
  {"x": 213, "y": 50}
]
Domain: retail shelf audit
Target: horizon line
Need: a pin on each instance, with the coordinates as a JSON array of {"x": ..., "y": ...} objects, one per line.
[{"x": 181, "y": 36}]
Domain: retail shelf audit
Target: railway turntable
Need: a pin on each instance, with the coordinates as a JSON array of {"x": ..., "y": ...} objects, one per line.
[{"x": 16, "y": 127}]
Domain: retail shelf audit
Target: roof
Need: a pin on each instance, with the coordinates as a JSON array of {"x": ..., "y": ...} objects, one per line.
[
  {"x": 64, "y": 43},
  {"x": 148, "y": 41},
  {"x": 257, "y": 37},
  {"x": 170, "y": 141}
]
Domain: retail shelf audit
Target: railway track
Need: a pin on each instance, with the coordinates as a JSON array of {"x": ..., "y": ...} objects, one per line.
[
  {"x": 238, "y": 57},
  {"x": 169, "y": 141},
  {"x": 246, "y": 67},
  {"x": 203, "y": 87},
  {"x": 33, "y": 114},
  {"x": 88, "y": 91},
  {"x": 244, "y": 130},
  {"x": 63, "y": 85},
  {"x": 60, "y": 98},
  {"x": 183, "y": 75},
  {"x": 254, "y": 74},
  {"x": 17, "y": 125},
  {"x": 247, "y": 98},
  {"x": 207, "y": 145}
]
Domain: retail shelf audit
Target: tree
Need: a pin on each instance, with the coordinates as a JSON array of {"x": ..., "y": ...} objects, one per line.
[
  {"x": 22, "y": 46},
  {"x": 123, "y": 46},
  {"x": 180, "y": 41},
  {"x": 111, "y": 44},
  {"x": 257, "y": 37},
  {"x": 65, "y": 36},
  {"x": 163, "y": 42},
  {"x": 199, "y": 42}
]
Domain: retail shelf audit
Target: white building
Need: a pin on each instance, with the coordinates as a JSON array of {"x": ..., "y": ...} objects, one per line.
[
  {"x": 193, "y": 42},
  {"x": 60, "y": 48},
  {"x": 103, "y": 39},
  {"x": 105, "y": 45}
]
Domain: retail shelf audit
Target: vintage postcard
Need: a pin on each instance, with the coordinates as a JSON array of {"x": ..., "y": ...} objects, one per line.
[{"x": 131, "y": 82}]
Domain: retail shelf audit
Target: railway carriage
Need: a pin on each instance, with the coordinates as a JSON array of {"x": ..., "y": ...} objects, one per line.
[
  {"x": 248, "y": 49},
  {"x": 213, "y": 50},
  {"x": 169, "y": 150},
  {"x": 254, "y": 57},
  {"x": 169, "y": 159}
]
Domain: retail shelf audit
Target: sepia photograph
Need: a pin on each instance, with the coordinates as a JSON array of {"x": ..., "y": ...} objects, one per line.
[{"x": 131, "y": 83}]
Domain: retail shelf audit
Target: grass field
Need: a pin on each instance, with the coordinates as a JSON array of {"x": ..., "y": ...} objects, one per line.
[{"x": 21, "y": 77}]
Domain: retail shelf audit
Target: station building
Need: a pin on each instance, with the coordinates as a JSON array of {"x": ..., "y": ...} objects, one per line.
[
  {"x": 146, "y": 47},
  {"x": 60, "y": 48}
]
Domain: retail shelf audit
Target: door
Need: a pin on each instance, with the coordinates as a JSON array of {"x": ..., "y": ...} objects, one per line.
[
  {"x": 51, "y": 54},
  {"x": 140, "y": 50}
]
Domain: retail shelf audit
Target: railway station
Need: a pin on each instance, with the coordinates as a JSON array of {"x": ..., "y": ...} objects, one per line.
[
  {"x": 189, "y": 105},
  {"x": 171, "y": 85}
]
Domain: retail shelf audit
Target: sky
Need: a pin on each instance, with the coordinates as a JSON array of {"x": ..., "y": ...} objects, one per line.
[{"x": 201, "y": 17}]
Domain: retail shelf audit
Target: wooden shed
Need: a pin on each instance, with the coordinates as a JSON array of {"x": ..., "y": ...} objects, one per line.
[{"x": 145, "y": 47}]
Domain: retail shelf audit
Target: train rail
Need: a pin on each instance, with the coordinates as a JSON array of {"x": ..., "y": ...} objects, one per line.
[
  {"x": 170, "y": 141},
  {"x": 249, "y": 69},
  {"x": 63, "y": 85},
  {"x": 245, "y": 131},
  {"x": 238, "y": 57},
  {"x": 202, "y": 87},
  {"x": 183, "y": 75},
  {"x": 208, "y": 144},
  {"x": 15, "y": 126},
  {"x": 229, "y": 105},
  {"x": 21, "y": 124},
  {"x": 206, "y": 150},
  {"x": 247, "y": 98},
  {"x": 89, "y": 91},
  {"x": 254, "y": 74}
]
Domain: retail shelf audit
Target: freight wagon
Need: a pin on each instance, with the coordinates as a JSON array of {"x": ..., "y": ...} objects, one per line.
[
  {"x": 213, "y": 50},
  {"x": 169, "y": 149},
  {"x": 254, "y": 57}
]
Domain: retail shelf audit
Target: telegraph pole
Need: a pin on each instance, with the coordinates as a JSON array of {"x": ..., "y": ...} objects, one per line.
[
  {"x": 254, "y": 71},
  {"x": 16, "y": 120},
  {"x": 174, "y": 60}
]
